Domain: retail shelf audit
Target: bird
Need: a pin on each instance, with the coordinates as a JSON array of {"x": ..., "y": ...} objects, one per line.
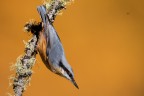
[{"x": 51, "y": 50}]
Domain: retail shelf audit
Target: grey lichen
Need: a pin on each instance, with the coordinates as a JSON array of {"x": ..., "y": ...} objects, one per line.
[
  {"x": 24, "y": 66},
  {"x": 54, "y": 7}
]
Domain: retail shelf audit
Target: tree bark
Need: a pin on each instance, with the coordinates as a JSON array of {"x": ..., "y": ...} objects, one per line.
[{"x": 23, "y": 67}]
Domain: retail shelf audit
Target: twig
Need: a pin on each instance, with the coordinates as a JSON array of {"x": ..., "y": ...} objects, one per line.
[
  {"x": 23, "y": 67},
  {"x": 25, "y": 63},
  {"x": 54, "y": 7}
]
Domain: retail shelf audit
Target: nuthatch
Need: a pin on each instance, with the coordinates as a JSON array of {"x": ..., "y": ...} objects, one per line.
[{"x": 51, "y": 50}]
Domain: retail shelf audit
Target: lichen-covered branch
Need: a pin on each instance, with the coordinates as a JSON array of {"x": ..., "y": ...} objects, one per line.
[
  {"x": 25, "y": 63},
  {"x": 54, "y": 7},
  {"x": 24, "y": 67}
]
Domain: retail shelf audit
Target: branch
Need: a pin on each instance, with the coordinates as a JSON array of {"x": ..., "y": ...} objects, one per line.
[
  {"x": 24, "y": 66},
  {"x": 25, "y": 63},
  {"x": 54, "y": 7}
]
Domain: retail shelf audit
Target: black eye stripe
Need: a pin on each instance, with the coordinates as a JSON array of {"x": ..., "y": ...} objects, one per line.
[{"x": 65, "y": 69}]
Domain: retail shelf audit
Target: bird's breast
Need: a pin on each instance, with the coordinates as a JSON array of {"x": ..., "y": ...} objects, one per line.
[{"x": 42, "y": 47}]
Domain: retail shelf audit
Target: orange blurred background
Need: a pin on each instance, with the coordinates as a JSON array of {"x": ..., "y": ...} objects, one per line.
[{"x": 103, "y": 42}]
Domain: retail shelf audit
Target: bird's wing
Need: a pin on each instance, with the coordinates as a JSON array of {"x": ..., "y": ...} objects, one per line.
[{"x": 54, "y": 48}]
